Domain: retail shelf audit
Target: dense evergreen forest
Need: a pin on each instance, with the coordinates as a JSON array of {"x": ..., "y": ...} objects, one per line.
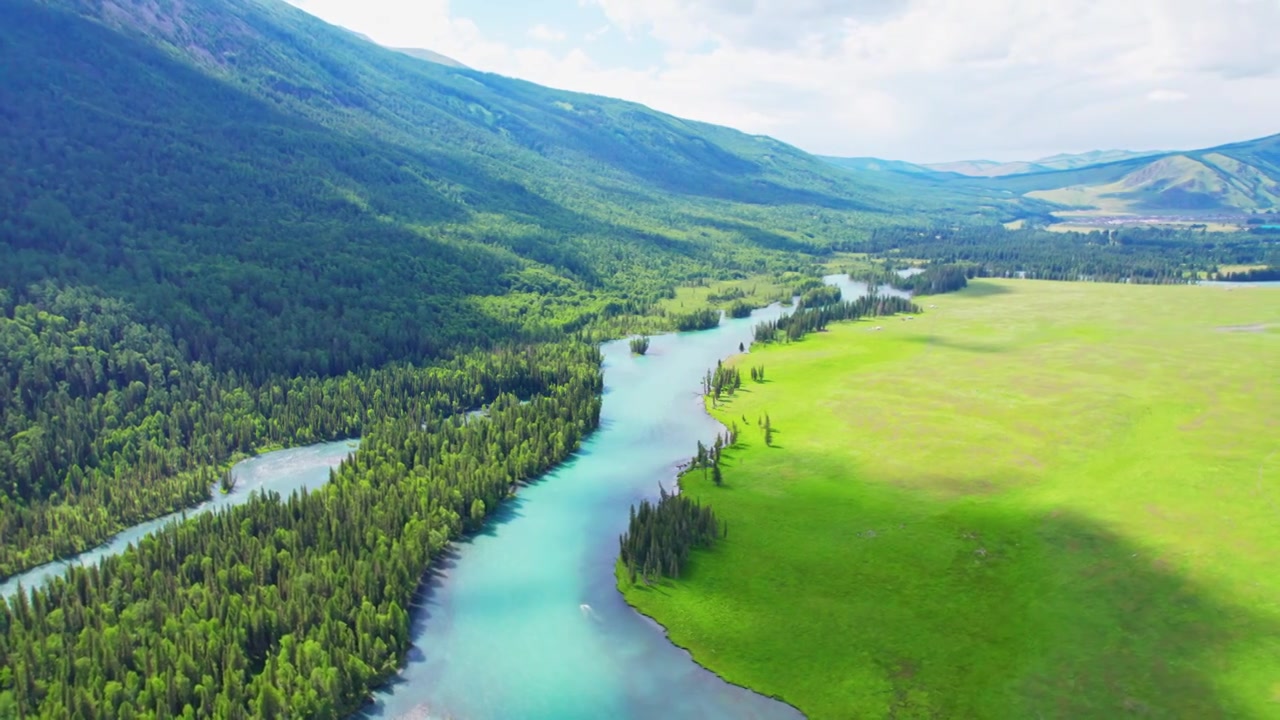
[
  {"x": 1139, "y": 255},
  {"x": 297, "y": 606},
  {"x": 108, "y": 425}
]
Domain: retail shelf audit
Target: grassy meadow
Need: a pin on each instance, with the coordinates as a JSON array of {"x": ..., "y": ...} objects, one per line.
[{"x": 1036, "y": 500}]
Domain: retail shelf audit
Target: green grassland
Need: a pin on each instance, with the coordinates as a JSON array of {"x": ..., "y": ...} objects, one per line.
[
  {"x": 1036, "y": 500},
  {"x": 757, "y": 291}
]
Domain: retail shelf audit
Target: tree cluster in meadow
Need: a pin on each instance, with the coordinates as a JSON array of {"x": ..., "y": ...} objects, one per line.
[
  {"x": 661, "y": 535},
  {"x": 935, "y": 280},
  {"x": 703, "y": 319}
]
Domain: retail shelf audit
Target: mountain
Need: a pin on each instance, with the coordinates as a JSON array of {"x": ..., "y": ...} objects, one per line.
[
  {"x": 420, "y": 53},
  {"x": 1238, "y": 177},
  {"x": 242, "y": 173},
  {"x": 1063, "y": 161},
  {"x": 986, "y": 168},
  {"x": 431, "y": 56},
  {"x": 872, "y": 164},
  {"x": 1069, "y": 161}
]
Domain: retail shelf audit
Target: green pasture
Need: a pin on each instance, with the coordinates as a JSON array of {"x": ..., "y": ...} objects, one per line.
[{"x": 1035, "y": 500}]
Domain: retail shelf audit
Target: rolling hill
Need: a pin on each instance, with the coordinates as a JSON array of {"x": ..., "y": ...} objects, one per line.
[
  {"x": 1062, "y": 161},
  {"x": 1239, "y": 177},
  {"x": 986, "y": 168},
  {"x": 1069, "y": 161}
]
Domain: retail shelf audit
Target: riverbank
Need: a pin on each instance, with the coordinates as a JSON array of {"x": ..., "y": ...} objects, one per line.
[
  {"x": 1001, "y": 509},
  {"x": 281, "y": 471}
]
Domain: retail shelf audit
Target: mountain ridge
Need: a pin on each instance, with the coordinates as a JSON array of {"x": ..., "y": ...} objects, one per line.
[{"x": 1241, "y": 176}]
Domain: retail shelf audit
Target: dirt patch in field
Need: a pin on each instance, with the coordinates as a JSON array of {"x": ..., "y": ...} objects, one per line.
[{"x": 1251, "y": 328}]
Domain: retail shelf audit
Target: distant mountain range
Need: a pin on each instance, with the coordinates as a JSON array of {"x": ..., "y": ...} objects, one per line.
[{"x": 1240, "y": 177}]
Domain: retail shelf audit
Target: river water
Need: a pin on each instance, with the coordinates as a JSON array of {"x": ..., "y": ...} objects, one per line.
[
  {"x": 524, "y": 619},
  {"x": 282, "y": 471}
]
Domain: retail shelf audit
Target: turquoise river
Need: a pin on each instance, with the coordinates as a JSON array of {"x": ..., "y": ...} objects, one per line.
[{"x": 523, "y": 620}]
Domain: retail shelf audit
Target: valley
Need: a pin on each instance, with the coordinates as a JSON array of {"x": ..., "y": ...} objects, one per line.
[{"x": 343, "y": 378}]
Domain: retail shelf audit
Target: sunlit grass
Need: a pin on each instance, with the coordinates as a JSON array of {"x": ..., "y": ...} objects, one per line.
[{"x": 1055, "y": 500}]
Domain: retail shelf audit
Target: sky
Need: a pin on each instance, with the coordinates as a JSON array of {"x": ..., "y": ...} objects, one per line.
[{"x": 916, "y": 80}]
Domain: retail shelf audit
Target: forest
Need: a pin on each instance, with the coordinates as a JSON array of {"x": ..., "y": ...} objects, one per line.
[
  {"x": 1136, "y": 255},
  {"x": 297, "y": 606}
]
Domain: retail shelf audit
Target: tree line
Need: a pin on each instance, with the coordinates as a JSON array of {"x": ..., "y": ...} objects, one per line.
[
  {"x": 1262, "y": 274},
  {"x": 806, "y": 320},
  {"x": 1133, "y": 255}
]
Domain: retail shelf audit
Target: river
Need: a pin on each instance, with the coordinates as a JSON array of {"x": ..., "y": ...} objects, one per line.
[
  {"x": 524, "y": 620},
  {"x": 282, "y": 471}
]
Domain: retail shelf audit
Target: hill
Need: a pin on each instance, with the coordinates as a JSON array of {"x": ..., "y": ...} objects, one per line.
[
  {"x": 252, "y": 149},
  {"x": 420, "y": 53},
  {"x": 1062, "y": 161},
  {"x": 431, "y": 56},
  {"x": 1235, "y": 178},
  {"x": 1239, "y": 177},
  {"x": 1069, "y": 161},
  {"x": 986, "y": 168},
  {"x": 873, "y": 164}
]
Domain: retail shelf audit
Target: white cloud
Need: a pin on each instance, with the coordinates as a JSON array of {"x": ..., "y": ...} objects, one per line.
[
  {"x": 912, "y": 79},
  {"x": 1163, "y": 95},
  {"x": 545, "y": 33}
]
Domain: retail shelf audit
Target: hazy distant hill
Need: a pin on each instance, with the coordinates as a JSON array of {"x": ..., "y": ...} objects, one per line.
[
  {"x": 420, "y": 53},
  {"x": 1069, "y": 161},
  {"x": 1237, "y": 177},
  {"x": 872, "y": 164},
  {"x": 986, "y": 168},
  {"x": 431, "y": 56},
  {"x": 1241, "y": 176}
]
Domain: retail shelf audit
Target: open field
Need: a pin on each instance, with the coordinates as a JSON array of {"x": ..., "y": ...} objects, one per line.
[
  {"x": 758, "y": 291},
  {"x": 1038, "y": 500},
  {"x": 1075, "y": 225}
]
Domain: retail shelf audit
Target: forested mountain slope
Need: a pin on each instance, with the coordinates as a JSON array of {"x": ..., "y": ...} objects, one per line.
[
  {"x": 212, "y": 142},
  {"x": 215, "y": 214}
]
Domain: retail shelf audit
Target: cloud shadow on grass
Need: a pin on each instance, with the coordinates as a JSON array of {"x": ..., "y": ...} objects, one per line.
[
  {"x": 978, "y": 288},
  {"x": 992, "y": 610},
  {"x": 954, "y": 344}
]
